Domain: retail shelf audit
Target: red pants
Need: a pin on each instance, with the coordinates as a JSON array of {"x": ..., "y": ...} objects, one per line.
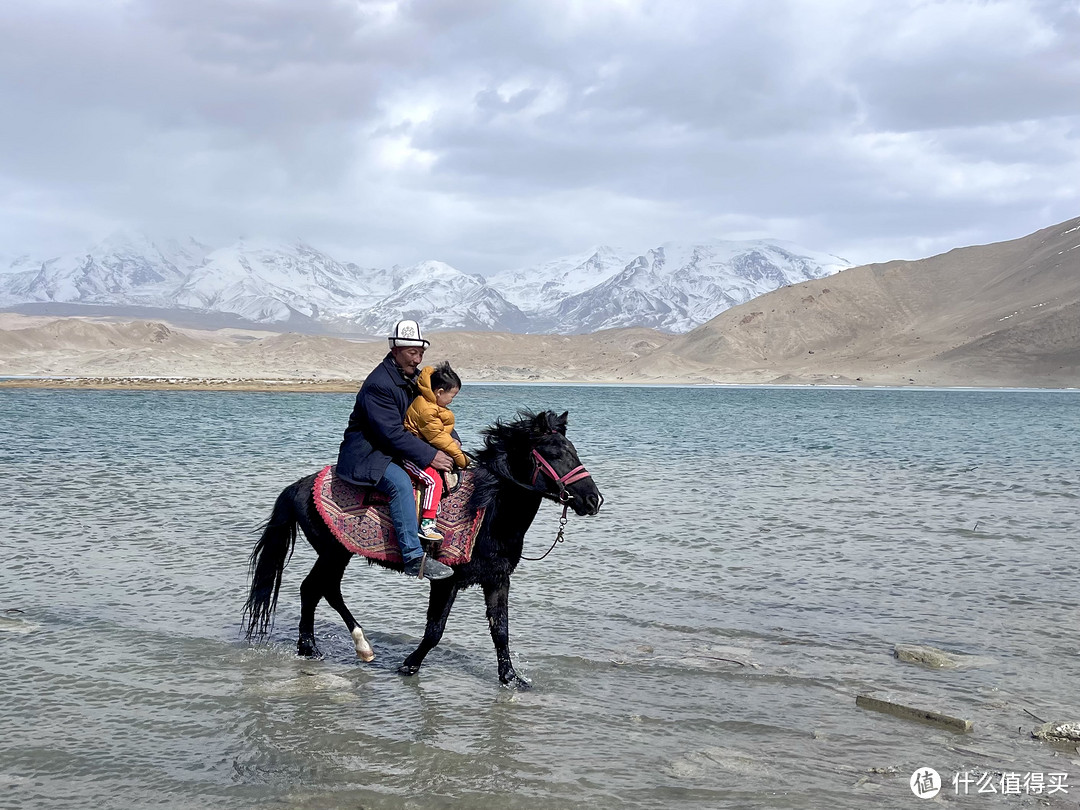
[{"x": 433, "y": 486}]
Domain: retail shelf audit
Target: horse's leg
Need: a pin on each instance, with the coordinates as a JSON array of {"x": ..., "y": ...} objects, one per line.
[
  {"x": 324, "y": 582},
  {"x": 443, "y": 593},
  {"x": 497, "y": 596},
  {"x": 311, "y": 591},
  {"x": 333, "y": 597}
]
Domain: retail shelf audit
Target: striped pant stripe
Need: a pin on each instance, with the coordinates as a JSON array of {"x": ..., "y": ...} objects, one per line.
[{"x": 420, "y": 474}]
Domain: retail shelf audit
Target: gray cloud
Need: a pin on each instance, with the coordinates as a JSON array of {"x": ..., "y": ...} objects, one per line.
[{"x": 491, "y": 134}]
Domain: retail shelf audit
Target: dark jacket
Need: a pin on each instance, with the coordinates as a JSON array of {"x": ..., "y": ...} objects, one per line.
[{"x": 376, "y": 434}]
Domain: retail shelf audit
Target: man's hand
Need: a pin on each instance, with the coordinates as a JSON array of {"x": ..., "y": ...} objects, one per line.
[{"x": 442, "y": 461}]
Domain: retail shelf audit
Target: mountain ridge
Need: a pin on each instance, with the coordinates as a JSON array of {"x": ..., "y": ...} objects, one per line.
[
  {"x": 296, "y": 284},
  {"x": 1004, "y": 311},
  {"x": 1004, "y": 314}
]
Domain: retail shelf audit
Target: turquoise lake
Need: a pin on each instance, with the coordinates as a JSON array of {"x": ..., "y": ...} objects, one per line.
[{"x": 698, "y": 644}]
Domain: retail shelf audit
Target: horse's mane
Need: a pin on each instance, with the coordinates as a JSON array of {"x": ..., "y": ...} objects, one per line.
[{"x": 500, "y": 441}]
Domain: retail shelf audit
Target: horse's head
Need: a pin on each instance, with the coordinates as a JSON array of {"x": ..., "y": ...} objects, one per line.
[{"x": 538, "y": 456}]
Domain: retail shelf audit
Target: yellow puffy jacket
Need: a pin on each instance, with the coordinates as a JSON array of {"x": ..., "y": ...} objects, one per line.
[{"x": 431, "y": 422}]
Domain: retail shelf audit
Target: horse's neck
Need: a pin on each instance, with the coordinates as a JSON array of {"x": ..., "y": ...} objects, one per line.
[{"x": 514, "y": 511}]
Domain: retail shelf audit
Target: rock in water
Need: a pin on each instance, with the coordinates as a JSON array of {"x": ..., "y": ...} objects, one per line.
[
  {"x": 913, "y": 713},
  {"x": 1058, "y": 732},
  {"x": 927, "y": 656}
]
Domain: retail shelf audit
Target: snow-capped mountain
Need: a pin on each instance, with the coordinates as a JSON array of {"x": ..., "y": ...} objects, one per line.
[
  {"x": 441, "y": 297},
  {"x": 17, "y": 264},
  {"x": 121, "y": 269},
  {"x": 261, "y": 282},
  {"x": 267, "y": 282},
  {"x": 676, "y": 287},
  {"x": 673, "y": 287},
  {"x": 541, "y": 287}
]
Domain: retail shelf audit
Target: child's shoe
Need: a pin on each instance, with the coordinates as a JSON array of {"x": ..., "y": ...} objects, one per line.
[{"x": 428, "y": 530}]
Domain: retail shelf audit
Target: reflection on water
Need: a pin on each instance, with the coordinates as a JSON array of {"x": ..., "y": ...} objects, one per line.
[{"x": 700, "y": 643}]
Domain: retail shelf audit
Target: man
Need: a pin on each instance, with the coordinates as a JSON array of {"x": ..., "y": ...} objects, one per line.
[{"x": 376, "y": 442}]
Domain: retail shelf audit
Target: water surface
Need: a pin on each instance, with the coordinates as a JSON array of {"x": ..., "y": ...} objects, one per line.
[{"x": 700, "y": 643}]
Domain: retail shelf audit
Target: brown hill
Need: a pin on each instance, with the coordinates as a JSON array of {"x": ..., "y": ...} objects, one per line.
[
  {"x": 74, "y": 346},
  {"x": 500, "y": 356},
  {"x": 75, "y": 333},
  {"x": 1000, "y": 314},
  {"x": 102, "y": 348}
]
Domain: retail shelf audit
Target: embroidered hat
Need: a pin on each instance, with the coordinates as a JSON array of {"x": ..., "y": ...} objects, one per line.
[{"x": 407, "y": 333}]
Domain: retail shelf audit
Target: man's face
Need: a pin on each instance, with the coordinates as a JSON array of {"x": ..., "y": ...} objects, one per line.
[{"x": 408, "y": 358}]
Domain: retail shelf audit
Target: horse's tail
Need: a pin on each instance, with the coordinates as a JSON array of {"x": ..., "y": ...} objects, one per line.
[{"x": 267, "y": 562}]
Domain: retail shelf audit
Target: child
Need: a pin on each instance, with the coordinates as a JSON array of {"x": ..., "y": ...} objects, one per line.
[{"x": 429, "y": 417}]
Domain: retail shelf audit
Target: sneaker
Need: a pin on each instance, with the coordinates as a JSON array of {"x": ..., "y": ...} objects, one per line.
[
  {"x": 428, "y": 530},
  {"x": 433, "y": 569}
]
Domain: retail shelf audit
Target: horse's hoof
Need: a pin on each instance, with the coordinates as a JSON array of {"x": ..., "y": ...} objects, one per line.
[
  {"x": 408, "y": 669},
  {"x": 363, "y": 648},
  {"x": 307, "y": 648},
  {"x": 515, "y": 681}
]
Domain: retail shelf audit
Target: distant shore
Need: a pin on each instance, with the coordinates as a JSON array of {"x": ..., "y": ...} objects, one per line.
[
  {"x": 342, "y": 386},
  {"x": 292, "y": 385},
  {"x": 183, "y": 384}
]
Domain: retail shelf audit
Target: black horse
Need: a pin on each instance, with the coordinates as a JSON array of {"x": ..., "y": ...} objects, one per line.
[{"x": 522, "y": 462}]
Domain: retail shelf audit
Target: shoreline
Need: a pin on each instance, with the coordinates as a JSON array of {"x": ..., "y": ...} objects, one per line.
[
  {"x": 239, "y": 384},
  {"x": 343, "y": 386}
]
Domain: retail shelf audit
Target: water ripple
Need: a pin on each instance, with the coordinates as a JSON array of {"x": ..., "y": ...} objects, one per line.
[{"x": 698, "y": 644}]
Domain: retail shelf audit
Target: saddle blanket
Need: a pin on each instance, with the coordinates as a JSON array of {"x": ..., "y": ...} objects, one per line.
[{"x": 360, "y": 519}]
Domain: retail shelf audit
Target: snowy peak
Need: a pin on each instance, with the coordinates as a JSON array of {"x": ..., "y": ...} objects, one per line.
[
  {"x": 116, "y": 268},
  {"x": 433, "y": 271},
  {"x": 673, "y": 287},
  {"x": 542, "y": 286},
  {"x": 442, "y": 297},
  {"x": 677, "y": 286},
  {"x": 265, "y": 281}
]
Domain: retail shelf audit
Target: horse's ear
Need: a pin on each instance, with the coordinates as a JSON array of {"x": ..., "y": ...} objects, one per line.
[{"x": 560, "y": 422}]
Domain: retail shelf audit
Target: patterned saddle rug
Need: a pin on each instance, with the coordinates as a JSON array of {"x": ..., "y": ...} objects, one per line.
[{"x": 360, "y": 519}]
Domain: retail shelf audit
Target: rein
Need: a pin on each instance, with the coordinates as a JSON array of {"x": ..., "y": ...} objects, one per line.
[{"x": 562, "y": 481}]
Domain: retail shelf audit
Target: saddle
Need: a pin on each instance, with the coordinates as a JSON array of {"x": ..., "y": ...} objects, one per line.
[{"x": 359, "y": 517}]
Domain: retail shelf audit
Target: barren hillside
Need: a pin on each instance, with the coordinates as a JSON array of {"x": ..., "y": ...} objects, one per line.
[
  {"x": 1001, "y": 314},
  {"x": 74, "y": 347}
]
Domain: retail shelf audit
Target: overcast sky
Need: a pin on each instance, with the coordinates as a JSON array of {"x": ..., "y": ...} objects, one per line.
[{"x": 492, "y": 134}]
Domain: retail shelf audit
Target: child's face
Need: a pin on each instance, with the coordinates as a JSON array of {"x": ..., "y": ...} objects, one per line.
[{"x": 444, "y": 396}]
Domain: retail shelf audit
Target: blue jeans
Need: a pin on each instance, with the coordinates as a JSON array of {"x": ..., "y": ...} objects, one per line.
[{"x": 397, "y": 484}]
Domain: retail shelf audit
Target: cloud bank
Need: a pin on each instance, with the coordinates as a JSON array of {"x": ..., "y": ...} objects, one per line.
[{"x": 491, "y": 134}]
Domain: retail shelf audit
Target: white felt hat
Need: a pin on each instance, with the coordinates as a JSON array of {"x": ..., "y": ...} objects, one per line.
[{"x": 407, "y": 333}]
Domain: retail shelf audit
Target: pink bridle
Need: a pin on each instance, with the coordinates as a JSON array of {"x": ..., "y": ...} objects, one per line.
[{"x": 562, "y": 481}]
